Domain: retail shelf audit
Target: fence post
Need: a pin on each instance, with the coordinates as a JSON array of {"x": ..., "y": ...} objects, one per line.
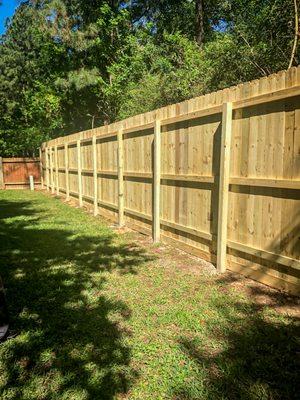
[
  {"x": 31, "y": 182},
  {"x": 120, "y": 178},
  {"x": 224, "y": 186},
  {"x": 67, "y": 171},
  {"x": 2, "y": 185},
  {"x": 156, "y": 181},
  {"x": 95, "y": 175},
  {"x": 47, "y": 167},
  {"x": 41, "y": 168},
  {"x": 79, "y": 171},
  {"x": 56, "y": 170},
  {"x": 51, "y": 170}
]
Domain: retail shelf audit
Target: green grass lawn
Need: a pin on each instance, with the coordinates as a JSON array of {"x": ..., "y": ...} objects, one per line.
[{"x": 102, "y": 316}]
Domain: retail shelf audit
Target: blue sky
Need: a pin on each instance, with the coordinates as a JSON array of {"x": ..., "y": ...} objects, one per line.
[{"x": 6, "y": 10}]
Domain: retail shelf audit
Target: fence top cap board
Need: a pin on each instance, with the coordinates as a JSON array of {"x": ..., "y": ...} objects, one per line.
[{"x": 242, "y": 91}]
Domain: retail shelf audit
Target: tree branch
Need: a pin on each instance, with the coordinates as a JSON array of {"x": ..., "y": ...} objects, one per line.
[
  {"x": 296, "y": 34},
  {"x": 253, "y": 62},
  {"x": 199, "y": 22}
]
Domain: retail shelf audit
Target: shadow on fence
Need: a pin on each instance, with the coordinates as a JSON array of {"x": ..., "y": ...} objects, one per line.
[{"x": 69, "y": 346}]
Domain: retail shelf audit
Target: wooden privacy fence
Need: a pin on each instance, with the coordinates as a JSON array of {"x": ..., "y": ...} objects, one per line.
[
  {"x": 218, "y": 176},
  {"x": 15, "y": 172}
]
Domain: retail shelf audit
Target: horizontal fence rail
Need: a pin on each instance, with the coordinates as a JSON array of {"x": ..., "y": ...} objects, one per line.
[{"x": 218, "y": 176}]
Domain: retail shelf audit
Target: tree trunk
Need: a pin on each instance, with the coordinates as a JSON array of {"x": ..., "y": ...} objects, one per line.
[
  {"x": 199, "y": 23},
  {"x": 296, "y": 36}
]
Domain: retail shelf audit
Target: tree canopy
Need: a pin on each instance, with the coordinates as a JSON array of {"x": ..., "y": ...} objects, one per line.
[{"x": 68, "y": 65}]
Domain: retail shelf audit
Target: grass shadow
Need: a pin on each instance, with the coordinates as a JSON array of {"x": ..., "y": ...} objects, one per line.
[
  {"x": 72, "y": 336},
  {"x": 258, "y": 359}
]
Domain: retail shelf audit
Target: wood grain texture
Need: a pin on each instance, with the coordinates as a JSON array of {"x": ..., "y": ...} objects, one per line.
[
  {"x": 67, "y": 184},
  {"x": 56, "y": 170},
  {"x": 47, "y": 169},
  {"x": 79, "y": 173},
  {"x": 224, "y": 186},
  {"x": 120, "y": 178},
  {"x": 156, "y": 181},
  {"x": 51, "y": 170},
  {"x": 95, "y": 175},
  {"x": 263, "y": 184}
]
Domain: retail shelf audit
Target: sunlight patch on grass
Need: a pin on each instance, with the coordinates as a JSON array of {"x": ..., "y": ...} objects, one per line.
[{"x": 100, "y": 317}]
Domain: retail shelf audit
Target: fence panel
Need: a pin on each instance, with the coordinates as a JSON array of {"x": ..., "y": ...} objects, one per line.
[
  {"x": 218, "y": 182},
  {"x": 16, "y": 172}
]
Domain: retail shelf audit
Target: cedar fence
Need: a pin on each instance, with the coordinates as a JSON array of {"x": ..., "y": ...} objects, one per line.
[
  {"x": 218, "y": 176},
  {"x": 15, "y": 172}
]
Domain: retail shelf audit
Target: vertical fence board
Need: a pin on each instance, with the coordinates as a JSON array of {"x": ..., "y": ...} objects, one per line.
[
  {"x": 56, "y": 170},
  {"x": 79, "y": 172},
  {"x": 66, "y": 149},
  {"x": 51, "y": 170},
  {"x": 156, "y": 181},
  {"x": 2, "y": 186},
  {"x": 95, "y": 175},
  {"x": 224, "y": 186},
  {"x": 255, "y": 201},
  {"x": 120, "y": 178},
  {"x": 41, "y": 168},
  {"x": 47, "y": 168}
]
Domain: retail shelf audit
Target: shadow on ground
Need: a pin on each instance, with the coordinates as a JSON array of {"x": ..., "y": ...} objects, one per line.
[
  {"x": 261, "y": 359},
  {"x": 72, "y": 340}
]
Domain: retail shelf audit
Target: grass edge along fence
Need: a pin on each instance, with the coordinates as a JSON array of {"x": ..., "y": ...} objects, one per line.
[{"x": 218, "y": 176}]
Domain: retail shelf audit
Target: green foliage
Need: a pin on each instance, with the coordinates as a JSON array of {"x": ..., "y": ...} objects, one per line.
[
  {"x": 162, "y": 74},
  {"x": 63, "y": 61}
]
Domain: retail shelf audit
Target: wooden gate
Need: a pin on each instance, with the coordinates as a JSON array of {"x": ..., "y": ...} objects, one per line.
[{"x": 15, "y": 172}]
